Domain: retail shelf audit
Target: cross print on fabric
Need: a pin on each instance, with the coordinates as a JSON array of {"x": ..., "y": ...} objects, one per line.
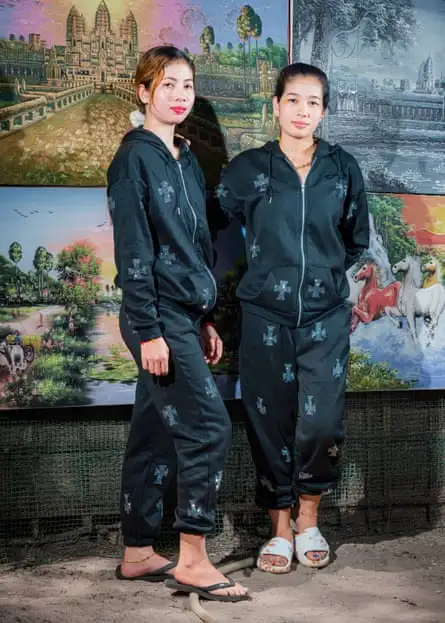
[
  {"x": 286, "y": 455},
  {"x": 127, "y": 504},
  {"x": 261, "y": 406},
  {"x": 161, "y": 472},
  {"x": 166, "y": 191},
  {"x": 309, "y": 406},
  {"x": 317, "y": 289},
  {"x": 137, "y": 271},
  {"x": 265, "y": 482},
  {"x": 261, "y": 182},
  {"x": 319, "y": 333},
  {"x": 341, "y": 188},
  {"x": 194, "y": 510},
  {"x": 218, "y": 480},
  {"x": 170, "y": 414},
  {"x": 210, "y": 387},
  {"x": 220, "y": 191},
  {"x": 205, "y": 297},
  {"x": 337, "y": 369},
  {"x": 282, "y": 288},
  {"x": 254, "y": 249},
  {"x": 288, "y": 376},
  {"x": 166, "y": 256},
  {"x": 270, "y": 337}
]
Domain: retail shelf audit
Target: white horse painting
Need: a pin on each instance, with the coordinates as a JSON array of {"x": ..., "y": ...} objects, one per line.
[{"x": 417, "y": 302}]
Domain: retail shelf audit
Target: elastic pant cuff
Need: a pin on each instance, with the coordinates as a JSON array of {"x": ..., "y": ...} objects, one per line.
[
  {"x": 135, "y": 541},
  {"x": 274, "y": 503},
  {"x": 314, "y": 489}
]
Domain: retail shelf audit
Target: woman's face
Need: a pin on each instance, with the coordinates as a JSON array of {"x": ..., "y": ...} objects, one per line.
[
  {"x": 300, "y": 108},
  {"x": 174, "y": 97}
]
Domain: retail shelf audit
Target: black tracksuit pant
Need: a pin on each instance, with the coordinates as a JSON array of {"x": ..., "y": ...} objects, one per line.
[
  {"x": 289, "y": 370},
  {"x": 180, "y": 427}
]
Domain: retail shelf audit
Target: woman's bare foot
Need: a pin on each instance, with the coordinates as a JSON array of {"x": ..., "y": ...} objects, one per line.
[
  {"x": 204, "y": 574},
  {"x": 140, "y": 560},
  {"x": 281, "y": 528},
  {"x": 307, "y": 517},
  {"x": 194, "y": 567}
]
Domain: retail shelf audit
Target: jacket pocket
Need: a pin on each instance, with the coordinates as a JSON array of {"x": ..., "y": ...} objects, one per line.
[
  {"x": 323, "y": 288},
  {"x": 201, "y": 290},
  {"x": 188, "y": 286},
  {"x": 275, "y": 290}
]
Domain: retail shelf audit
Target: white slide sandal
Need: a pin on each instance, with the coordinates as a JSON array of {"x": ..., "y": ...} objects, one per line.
[
  {"x": 311, "y": 540},
  {"x": 276, "y": 547}
]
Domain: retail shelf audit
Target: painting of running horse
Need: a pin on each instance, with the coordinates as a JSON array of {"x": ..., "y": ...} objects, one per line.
[
  {"x": 398, "y": 296},
  {"x": 373, "y": 301}
]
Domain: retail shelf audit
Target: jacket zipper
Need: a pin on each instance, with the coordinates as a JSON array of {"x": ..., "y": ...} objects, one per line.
[
  {"x": 303, "y": 259},
  {"x": 195, "y": 221},
  {"x": 303, "y": 224}
]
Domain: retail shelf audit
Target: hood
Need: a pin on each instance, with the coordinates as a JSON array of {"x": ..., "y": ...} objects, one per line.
[{"x": 141, "y": 135}]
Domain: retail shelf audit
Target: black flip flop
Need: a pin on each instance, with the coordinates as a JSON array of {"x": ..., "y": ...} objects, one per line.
[
  {"x": 160, "y": 575},
  {"x": 206, "y": 592}
]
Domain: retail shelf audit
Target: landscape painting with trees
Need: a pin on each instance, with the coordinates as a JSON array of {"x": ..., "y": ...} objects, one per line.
[
  {"x": 386, "y": 66},
  {"x": 67, "y": 80}
]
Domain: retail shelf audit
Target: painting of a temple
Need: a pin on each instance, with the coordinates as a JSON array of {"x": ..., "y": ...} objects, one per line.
[
  {"x": 91, "y": 52},
  {"x": 101, "y": 52}
]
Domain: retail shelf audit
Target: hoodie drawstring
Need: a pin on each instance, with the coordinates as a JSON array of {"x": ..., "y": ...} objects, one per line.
[{"x": 269, "y": 190}]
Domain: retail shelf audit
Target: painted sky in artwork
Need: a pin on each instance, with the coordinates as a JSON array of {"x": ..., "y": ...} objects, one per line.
[
  {"x": 159, "y": 21},
  {"x": 426, "y": 214},
  {"x": 53, "y": 218}
]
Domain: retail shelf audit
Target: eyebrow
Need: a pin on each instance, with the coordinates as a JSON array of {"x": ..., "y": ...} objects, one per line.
[
  {"x": 176, "y": 80},
  {"x": 315, "y": 97}
]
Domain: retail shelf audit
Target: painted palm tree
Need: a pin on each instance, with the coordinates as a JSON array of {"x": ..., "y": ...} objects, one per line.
[{"x": 15, "y": 253}]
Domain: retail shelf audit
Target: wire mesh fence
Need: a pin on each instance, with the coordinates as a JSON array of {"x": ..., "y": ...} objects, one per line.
[{"x": 60, "y": 479}]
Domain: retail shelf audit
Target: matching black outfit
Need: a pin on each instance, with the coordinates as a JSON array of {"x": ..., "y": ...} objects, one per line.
[
  {"x": 300, "y": 241},
  {"x": 163, "y": 255}
]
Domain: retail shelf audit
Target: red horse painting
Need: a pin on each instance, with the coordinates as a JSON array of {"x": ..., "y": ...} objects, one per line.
[{"x": 373, "y": 302}]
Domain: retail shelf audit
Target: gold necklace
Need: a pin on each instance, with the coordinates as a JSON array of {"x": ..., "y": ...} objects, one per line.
[
  {"x": 303, "y": 166},
  {"x": 306, "y": 164}
]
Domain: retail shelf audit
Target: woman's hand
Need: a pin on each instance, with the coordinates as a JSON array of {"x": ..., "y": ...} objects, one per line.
[
  {"x": 211, "y": 344},
  {"x": 155, "y": 356}
]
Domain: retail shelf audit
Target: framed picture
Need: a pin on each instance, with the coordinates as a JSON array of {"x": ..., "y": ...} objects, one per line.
[
  {"x": 385, "y": 62},
  {"x": 67, "y": 80},
  {"x": 66, "y": 93}
]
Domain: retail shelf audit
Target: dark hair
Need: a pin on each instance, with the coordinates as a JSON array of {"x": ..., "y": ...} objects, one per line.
[
  {"x": 152, "y": 64},
  {"x": 302, "y": 69}
]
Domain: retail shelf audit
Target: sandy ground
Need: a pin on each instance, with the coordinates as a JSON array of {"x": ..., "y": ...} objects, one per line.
[{"x": 387, "y": 581}]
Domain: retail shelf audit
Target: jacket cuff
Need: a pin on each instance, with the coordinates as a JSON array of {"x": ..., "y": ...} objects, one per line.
[
  {"x": 146, "y": 335},
  {"x": 208, "y": 319}
]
